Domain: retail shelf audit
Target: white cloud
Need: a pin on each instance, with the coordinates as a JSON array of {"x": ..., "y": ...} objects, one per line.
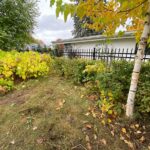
[{"x": 50, "y": 28}]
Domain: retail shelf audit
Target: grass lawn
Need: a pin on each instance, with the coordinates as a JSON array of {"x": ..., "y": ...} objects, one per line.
[{"x": 52, "y": 114}]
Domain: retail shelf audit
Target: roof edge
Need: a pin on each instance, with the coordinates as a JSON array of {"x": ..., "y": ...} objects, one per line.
[{"x": 126, "y": 35}]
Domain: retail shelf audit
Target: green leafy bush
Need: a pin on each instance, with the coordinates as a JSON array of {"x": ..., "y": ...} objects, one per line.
[
  {"x": 70, "y": 68},
  {"x": 115, "y": 79},
  {"x": 143, "y": 91},
  {"x": 6, "y": 84},
  {"x": 76, "y": 69}
]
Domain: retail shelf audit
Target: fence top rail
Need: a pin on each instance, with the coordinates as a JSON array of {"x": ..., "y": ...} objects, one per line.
[{"x": 104, "y": 53}]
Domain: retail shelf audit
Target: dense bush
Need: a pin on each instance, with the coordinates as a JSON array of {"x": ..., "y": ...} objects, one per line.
[
  {"x": 115, "y": 80},
  {"x": 71, "y": 68},
  {"x": 15, "y": 65},
  {"x": 143, "y": 92}
]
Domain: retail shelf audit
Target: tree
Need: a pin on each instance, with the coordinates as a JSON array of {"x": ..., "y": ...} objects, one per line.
[
  {"x": 109, "y": 15},
  {"x": 17, "y": 20},
  {"x": 79, "y": 29}
]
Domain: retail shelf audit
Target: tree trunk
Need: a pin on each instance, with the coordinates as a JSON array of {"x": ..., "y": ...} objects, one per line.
[{"x": 137, "y": 65}]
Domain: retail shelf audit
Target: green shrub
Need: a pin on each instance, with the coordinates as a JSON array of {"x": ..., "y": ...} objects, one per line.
[
  {"x": 58, "y": 66},
  {"x": 72, "y": 69},
  {"x": 6, "y": 84},
  {"x": 116, "y": 80},
  {"x": 143, "y": 91}
]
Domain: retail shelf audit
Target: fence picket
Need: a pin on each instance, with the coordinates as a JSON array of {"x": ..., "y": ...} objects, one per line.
[{"x": 105, "y": 54}]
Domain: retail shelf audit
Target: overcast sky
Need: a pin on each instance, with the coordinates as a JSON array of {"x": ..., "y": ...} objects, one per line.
[{"x": 50, "y": 28}]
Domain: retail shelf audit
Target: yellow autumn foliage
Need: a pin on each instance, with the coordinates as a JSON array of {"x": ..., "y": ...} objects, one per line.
[
  {"x": 98, "y": 67},
  {"x": 23, "y": 65}
]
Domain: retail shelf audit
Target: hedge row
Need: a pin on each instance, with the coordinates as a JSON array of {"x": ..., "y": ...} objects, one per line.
[
  {"x": 113, "y": 80},
  {"x": 15, "y": 65}
]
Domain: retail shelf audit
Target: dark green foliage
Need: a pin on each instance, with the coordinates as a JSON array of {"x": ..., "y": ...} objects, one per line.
[
  {"x": 143, "y": 92},
  {"x": 72, "y": 69},
  {"x": 117, "y": 80},
  {"x": 17, "y": 20},
  {"x": 79, "y": 29},
  {"x": 58, "y": 66}
]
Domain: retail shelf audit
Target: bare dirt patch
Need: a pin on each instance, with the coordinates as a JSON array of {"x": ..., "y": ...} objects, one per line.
[{"x": 17, "y": 97}]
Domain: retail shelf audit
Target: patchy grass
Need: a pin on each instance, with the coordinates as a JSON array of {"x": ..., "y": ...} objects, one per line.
[{"x": 51, "y": 114}]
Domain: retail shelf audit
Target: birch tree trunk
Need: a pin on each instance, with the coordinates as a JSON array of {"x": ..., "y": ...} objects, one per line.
[{"x": 137, "y": 65}]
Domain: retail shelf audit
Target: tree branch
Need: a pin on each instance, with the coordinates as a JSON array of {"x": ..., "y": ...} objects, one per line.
[{"x": 123, "y": 11}]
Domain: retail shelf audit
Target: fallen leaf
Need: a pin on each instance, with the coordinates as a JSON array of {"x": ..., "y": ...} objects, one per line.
[
  {"x": 89, "y": 147},
  {"x": 144, "y": 132},
  {"x": 12, "y": 142},
  {"x": 112, "y": 133},
  {"x": 93, "y": 97},
  {"x": 95, "y": 137},
  {"x": 12, "y": 105},
  {"x": 142, "y": 139},
  {"x": 23, "y": 86},
  {"x": 81, "y": 96},
  {"x": 34, "y": 128},
  {"x": 93, "y": 114},
  {"x": 89, "y": 126},
  {"x": 95, "y": 129},
  {"x": 84, "y": 122},
  {"x": 124, "y": 130},
  {"x": 60, "y": 104},
  {"x": 138, "y": 132},
  {"x": 137, "y": 125},
  {"x": 87, "y": 139},
  {"x": 109, "y": 120},
  {"x": 39, "y": 141},
  {"x": 121, "y": 137},
  {"x": 103, "y": 122},
  {"x": 87, "y": 114},
  {"x": 75, "y": 87},
  {"x": 103, "y": 141},
  {"x": 144, "y": 127},
  {"x": 128, "y": 135},
  {"x": 132, "y": 126},
  {"x": 129, "y": 144}
]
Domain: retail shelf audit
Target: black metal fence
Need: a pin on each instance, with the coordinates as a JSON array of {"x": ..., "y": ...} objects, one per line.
[{"x": 105, "y": 54}]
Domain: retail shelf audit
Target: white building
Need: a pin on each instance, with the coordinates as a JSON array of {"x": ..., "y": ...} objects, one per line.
[
  {"x": 127, "y": 41},
  {"x": 117, "y": 46}
]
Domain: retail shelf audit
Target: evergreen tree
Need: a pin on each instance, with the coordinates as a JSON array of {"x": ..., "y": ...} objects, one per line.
[{"x": 79, "y": 29}]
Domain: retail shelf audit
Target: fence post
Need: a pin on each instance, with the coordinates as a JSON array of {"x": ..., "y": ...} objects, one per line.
[{"x": 94, "y": 52}]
